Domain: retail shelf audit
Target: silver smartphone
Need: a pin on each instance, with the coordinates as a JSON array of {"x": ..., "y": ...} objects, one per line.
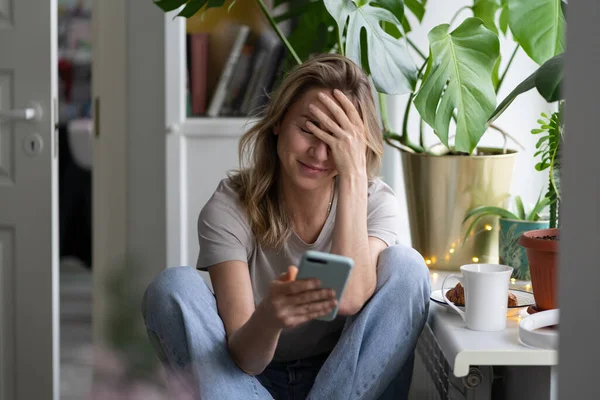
[{"x": 331, "y": 269}]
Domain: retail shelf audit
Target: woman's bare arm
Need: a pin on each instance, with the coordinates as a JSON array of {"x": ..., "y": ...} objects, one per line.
[
  {"x": 345, "y": 135},
  {"x": 351, "y": 239},
  {"x": 253, "y": 333},
  {"x": 250, "y": 340}
]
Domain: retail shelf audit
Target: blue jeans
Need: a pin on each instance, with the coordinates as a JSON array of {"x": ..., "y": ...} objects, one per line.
[{"x": 373, "y": 358}]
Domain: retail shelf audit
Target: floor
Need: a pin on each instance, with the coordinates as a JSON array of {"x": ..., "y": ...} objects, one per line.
[{"x": 76, "y": 330}]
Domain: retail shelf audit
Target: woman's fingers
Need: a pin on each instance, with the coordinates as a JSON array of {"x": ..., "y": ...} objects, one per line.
[
  {"x": 319, "y": 308},
  {"x": 313, "y": 296},
  {"x": 348, "y": 107},
  {"x": 326, "y": 123},
  {"x": 296, "y": 287},
  {"x": 292, "y": 272},
  {"x": 338, "y": 112},
  {"x": 289, "y": 275},
  {"x": 320, "y": 133}
]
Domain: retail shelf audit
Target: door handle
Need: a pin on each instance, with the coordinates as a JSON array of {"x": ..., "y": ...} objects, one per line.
[{"x": 33, "y": 112}]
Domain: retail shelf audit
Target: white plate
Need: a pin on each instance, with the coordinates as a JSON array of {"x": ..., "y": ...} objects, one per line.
[{"x": 524, "y": 299}]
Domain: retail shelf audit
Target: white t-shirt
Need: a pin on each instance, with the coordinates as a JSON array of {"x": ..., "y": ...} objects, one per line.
[{"x": 225, "y": 235}]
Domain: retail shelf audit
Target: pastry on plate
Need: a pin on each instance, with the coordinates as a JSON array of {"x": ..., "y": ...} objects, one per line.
[{"x": 457, "y": 296}]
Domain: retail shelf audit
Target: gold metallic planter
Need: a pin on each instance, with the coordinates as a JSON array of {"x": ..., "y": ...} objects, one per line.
[{"x": 440, "y": 191}]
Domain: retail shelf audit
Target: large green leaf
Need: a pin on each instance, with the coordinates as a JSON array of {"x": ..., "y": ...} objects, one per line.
[
  {"x": 547, "y": 79},
  {"x": 538, "y": 26},
  {"x": 459, "y": 78},
  {"x": 396, "y": 7},
  {"x": 503, "y": 19},
  {"x": 417, "y": 7},
  {"x": 316, "y": 20},
  {"x": 394, "y": 30},
  {"x": 496, "y": 72},
  {"x": 486, "y": 10},
  {"x": 390, "y": 65}
]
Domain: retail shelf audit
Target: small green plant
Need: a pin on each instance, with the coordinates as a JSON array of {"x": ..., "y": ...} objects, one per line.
[
  {"x": 512, "y": 254},
  {"x": 548, "y": 147},
  {"x": 551, "y": 129},
  {"x": 519, "y": 215}
]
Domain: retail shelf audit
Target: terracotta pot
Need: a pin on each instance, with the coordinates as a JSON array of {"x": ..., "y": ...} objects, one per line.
[{"x": 542, "y": 255}]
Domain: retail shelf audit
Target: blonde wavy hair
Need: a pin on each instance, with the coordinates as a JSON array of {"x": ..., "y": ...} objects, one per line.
[{"x": 257, "y": 180}]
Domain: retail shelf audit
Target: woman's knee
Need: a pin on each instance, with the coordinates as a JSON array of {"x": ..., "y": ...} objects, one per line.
[
  {"x": 162, "y": 296},
  {"x": 403, "y": 266}
]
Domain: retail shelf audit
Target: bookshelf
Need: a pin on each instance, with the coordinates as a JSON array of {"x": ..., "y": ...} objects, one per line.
[
  {"x": 201, "y": 149},
  {"x": 232, "y": 62}
]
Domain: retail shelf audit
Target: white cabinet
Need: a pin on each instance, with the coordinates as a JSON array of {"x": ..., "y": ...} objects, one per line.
[{"x": 200, "y": 153}]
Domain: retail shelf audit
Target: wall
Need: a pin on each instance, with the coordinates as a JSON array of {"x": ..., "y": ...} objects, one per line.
[{"x": 517, "y": 120}]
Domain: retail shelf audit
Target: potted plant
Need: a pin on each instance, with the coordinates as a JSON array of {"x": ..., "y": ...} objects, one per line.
[
  {"x": 457, "y": 80},
  {"x": 542, "y": 244},
  {"x": 445, "y": 182},
  {"x": 512, "y": 224}
]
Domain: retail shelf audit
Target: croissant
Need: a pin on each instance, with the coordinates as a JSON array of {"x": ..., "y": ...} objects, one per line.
[{"x": 457, "y": 296}]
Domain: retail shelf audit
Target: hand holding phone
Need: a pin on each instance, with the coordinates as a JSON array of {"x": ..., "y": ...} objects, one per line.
[
  {"x": 331, "y": 270},
  {"x": 292, "y": 302}
]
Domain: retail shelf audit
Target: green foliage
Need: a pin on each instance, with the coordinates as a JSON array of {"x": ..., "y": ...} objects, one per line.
[
  {"x": 547, "y": 79},
  {"x": 463, "y": 67},
  {"x": 503, "y": 18},
  {"x": 389, "y": 62},
  {"x": 458, "y": 78},
  {"x": 486, "y": 10},
  {"x": 538, "y": 26},
  {"x": 548, "y": 148},
  {"x": 479, "y": 212},
  {"x": 511, "y": 253},
  {"x": 313, "y": 17},
  {"x": 417, "y": 7}
]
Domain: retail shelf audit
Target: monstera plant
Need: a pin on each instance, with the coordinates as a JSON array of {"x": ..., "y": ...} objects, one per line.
[{"x": 462, "y": 74}]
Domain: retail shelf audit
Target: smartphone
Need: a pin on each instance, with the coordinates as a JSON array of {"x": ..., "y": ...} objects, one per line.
[{"x": 331, "y": 269}]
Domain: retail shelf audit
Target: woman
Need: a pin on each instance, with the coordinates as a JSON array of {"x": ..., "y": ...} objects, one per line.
[{"x": 311, "y": 184}]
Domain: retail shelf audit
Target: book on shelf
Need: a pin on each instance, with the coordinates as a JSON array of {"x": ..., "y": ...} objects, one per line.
[
  {"x": 269, "y": 50},
  {"x": 240, "y": 78},
  {"x": 197, "y": 61},
  {"x": 226, "y": 76},
  {"x": 248, "y": 75}
]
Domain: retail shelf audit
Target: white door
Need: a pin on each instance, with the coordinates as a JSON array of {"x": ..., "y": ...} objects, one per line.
[{"x": 29, "y": 358}]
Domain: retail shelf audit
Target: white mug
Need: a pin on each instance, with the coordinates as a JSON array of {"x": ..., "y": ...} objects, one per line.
[{"x": 486, "y": 295}]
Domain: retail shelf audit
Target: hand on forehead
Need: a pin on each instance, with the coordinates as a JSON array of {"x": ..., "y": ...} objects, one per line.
[{"x": 311, "y": 97}]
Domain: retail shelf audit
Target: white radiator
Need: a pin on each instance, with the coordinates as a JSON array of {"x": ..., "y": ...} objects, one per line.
[{"x": 433, "y": 379}]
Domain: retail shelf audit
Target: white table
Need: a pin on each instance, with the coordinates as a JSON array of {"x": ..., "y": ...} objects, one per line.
[
  {"x": 464, "y": 348},
  {"x": 469, "y": 353}
]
